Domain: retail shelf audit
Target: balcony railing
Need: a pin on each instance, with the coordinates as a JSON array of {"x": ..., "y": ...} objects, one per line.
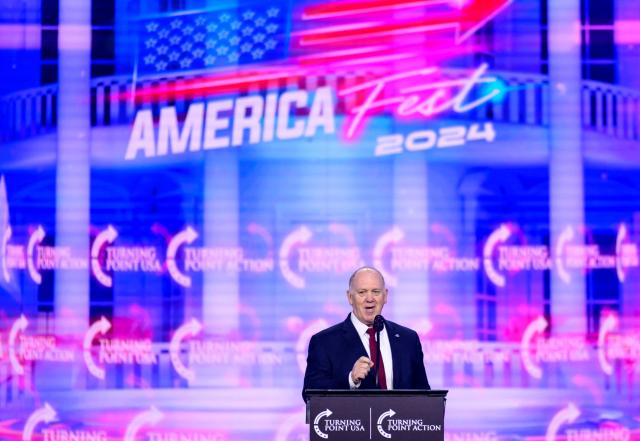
[
  {"x": 28, "y": 113},
  {"x": 606, "y": 109}
]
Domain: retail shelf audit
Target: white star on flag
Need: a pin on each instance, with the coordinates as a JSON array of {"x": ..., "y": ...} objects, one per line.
[{"x": 212, "y": 38}]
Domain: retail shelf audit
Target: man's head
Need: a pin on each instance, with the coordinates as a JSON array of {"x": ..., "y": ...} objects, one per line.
[{"x": 367, "y": 294}]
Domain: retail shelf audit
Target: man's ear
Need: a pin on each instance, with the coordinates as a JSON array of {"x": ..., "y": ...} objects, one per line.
[{"x": 349, "y": 298}]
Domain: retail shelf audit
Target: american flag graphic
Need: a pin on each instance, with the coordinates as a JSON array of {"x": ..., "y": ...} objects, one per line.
[
  {"x": 293, "y": 43},
  {"x": 227, "y": 37},
  {"x": 357, "y": 32}
]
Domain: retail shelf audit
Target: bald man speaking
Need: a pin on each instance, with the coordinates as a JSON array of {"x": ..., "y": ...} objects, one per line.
[{"x": 344, "y": 356}]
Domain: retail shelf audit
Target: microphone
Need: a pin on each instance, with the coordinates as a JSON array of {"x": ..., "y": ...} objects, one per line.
[
  {"x": 378, "y": 326},
  {"x": 378, "y": 323}
]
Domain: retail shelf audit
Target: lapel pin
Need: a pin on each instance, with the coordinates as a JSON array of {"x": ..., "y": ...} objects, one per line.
[{"x": 398, "y": 335}]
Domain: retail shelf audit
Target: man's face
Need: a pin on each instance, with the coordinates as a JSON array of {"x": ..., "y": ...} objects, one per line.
[{"x": 367, "y": 295}]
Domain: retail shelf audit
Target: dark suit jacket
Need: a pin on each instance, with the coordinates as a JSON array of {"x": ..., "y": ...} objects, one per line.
[{"x": 333, "y": 352}]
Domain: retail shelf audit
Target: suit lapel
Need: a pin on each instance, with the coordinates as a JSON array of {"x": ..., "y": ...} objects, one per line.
[
  {"x": 352, "y": 340},
  {"x": 351, "y": 337},
  {"x": 396, "y": 350}
]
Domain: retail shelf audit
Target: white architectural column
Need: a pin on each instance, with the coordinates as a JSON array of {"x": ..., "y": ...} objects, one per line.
[
  {"x": 566, "y": 174},
  {"x": 73, "y": 163},
  {"x": 220, "y": 290},
  {"x": 409, "y": 300}
]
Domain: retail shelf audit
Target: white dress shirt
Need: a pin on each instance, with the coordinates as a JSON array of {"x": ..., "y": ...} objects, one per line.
[{"x": 385, "y": 350}]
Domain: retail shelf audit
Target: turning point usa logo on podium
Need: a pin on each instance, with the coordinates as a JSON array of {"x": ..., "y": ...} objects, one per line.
[{"x": 397, "y": 418}]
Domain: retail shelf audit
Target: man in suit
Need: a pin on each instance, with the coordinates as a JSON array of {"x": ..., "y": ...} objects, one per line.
[{"x": 340, "y": 357}]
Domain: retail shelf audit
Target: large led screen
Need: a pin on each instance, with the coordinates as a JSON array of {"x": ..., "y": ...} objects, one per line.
[{"x": 186, "y": 187}]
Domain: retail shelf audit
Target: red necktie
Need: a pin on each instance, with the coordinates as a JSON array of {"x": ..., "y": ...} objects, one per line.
[{"x": 379, "y": 366}]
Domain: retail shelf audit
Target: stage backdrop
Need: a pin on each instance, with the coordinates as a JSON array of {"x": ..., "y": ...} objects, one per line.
[{"x": 186, "y": 186}]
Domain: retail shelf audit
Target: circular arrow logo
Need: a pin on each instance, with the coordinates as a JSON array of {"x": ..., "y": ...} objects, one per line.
[
  {"x": 608, "y": 325},
  {"x": 498, "y": 236},
  {"x": 189, "y": 329},
  {"x": 34, "y": 240},
  {"x": 299, "y": 236},
  {"x": 104, "y": 237},
  {"x": 100, "y": 327},
  {"x": 389, "y": 413},
  {"x": 3, "y": 254},
  {"x": 622, "y": 234},
  {"x": 390, "y": 238},
  {"x": 535, "y": 327},
  {"x": 565, "y": 237},
  {"x": 18, "y": 326},
  {"x": 148, "y": 417},
  {"x": 565, "y": 416},
  {"x": 46, "y": 414},
  {"x": 626, "y": 253},
  {"x": 187, "y": 236},
  {"x": 316, "y": 423}
]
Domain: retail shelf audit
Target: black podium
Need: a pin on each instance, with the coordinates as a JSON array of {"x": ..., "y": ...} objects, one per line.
[{"x": 397, "y": 415}]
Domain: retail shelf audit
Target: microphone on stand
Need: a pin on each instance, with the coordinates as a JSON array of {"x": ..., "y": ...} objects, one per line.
[
  {"x": 378, "y": 323},
  {"x": 378, "y": 326}
]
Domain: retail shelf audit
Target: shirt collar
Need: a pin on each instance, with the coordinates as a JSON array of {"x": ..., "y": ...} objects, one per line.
[{"x": 361, "y": 328}]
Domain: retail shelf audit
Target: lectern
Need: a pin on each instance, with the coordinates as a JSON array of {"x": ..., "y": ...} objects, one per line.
[{"x": 397, "y": 415}]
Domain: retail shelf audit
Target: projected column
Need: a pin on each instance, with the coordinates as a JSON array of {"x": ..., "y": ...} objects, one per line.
[
  {"x": 220, "y": 296},
  {"x": 410, "y": 298},
  {"x": 566, "y": 182},
  {"x": 72, "y": 172}
]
